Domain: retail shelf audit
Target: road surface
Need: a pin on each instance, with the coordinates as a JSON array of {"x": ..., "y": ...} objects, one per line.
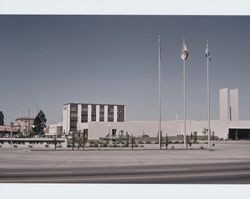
[{"x": 217, "y": 173}]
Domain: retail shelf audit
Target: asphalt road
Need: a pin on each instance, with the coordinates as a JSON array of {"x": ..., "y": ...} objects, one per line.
[{"x": 216, "y": 173}]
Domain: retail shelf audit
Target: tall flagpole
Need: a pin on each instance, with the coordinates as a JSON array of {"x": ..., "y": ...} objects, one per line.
[
  {"x": 184, "y": 56},
  {"x": 184, "y": 98},
  {"x": 208, "y": 97},
  {"x": 159, "y": 89}
]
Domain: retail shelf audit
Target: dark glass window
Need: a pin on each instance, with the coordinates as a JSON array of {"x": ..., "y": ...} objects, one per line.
[
  {"x": 120, "y": 113},
  {"x": 73, "y": 117},
  {"x": 110, "y": 113},
  {"x": 84, "y": 114},
  {"x": 101, "y": 113},
  {"x": 93, "y": 112}
]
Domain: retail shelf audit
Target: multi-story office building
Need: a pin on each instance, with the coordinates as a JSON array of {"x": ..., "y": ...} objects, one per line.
[{"x": 77, "y": 116}]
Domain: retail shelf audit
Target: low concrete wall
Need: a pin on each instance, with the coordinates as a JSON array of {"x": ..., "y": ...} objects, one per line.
[{"x": 32, "y": 142}]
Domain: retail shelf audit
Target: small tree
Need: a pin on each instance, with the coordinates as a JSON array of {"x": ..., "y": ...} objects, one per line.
[
  {"x": 127, "y": 139},
  {"x": 85, "y": 138},
  {"x": 73, "y": 140},
  {"x": 166, "y": 143},
  {"x": 132, "y": 142},
  {"x": 1, "y": 118},
  {"x": 195, "y": 137},
  {"x": 55, "y": 140},
  {"x": 191, "y": 136},
  {"x": 39, "y": 123}
]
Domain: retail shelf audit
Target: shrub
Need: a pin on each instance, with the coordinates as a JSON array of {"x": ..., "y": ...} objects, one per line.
[
  {"x": 201, "y": 147},
  {"x": 104, "y": 145},
  {"x": 148, "y": 142},
  {"x": 140, "y": 142},
  {"x": 141, "y": 146}
]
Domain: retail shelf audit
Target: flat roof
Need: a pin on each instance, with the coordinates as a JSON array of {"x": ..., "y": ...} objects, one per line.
[
  {"x": 25, "y": 118},
  {"x": 93, "y": 104}
]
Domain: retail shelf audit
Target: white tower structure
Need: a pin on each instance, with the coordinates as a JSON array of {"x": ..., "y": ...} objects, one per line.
[
  {"x": 234, "y": 105},
  {"x": 224, "y": 104},
  {"x": 229, "y": 104}
]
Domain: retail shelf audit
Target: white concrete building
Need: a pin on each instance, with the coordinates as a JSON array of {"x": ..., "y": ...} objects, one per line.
[
  {"x": 54, "y": 129},
  {"x": 78, "y": 116},
  {"x": 101, "y": 120}
]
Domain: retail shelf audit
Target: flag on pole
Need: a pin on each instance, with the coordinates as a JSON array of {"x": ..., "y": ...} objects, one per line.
[
  {"x": 207, "y": 54},
  {"x": 184, "y": 52},
  {"x": 159, "y": 45}
]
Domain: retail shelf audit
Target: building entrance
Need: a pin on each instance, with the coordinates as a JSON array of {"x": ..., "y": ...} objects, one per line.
[{"x": 239, "y": 134}]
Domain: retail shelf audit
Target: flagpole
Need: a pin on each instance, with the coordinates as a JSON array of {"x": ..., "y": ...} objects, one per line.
[
  {"x": 184, "y": 97},
  {"x": 159, "y": 89},
  {"x": 208, "y": 99}
]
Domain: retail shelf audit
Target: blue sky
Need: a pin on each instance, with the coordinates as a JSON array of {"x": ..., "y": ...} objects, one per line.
[{"x": 47, "y": 61}]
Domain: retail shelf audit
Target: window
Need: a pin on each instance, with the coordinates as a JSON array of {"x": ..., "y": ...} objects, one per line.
[
  {"x": 73, "y": 117},
  {"x": 93, "y": 113},
  {"x": 120, "y": 113},
  {"x": 110, "y": 113},
  {"x": 101, "y": 113},
  {"x": 84, "y": 114}
]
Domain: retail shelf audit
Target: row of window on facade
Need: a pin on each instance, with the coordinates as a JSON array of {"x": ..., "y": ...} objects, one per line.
[{"x": 84, "y": 114}]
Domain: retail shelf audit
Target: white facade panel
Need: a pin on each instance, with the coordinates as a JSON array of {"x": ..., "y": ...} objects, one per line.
[
  {"x": 172, "y": 128},
  {"x": 115, "y": 113},
  {"x": 89, "y": 112},
  {"x": 79, "y": 113},
  {"x": 105, "y": 113},
  {"x": 98, "y": 113},
  {"x": 66, "y": 118}
]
